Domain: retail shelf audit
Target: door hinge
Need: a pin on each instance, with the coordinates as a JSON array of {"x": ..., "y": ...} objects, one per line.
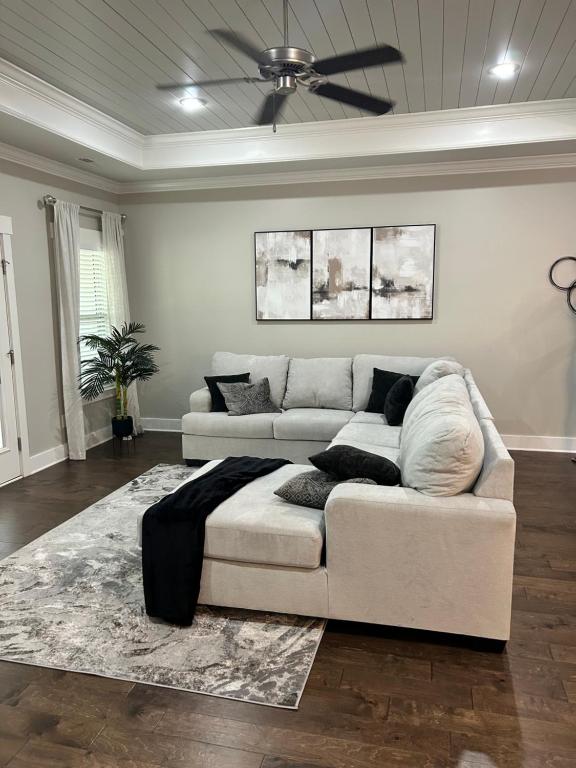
[
  {"x": 4, "y": 263},
  {"x": 12, "y": 358},
  {"x": 19, "y": 443}
]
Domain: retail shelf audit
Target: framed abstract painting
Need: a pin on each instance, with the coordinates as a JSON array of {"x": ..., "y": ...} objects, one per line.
[
  {"x": 403, "y": 272},
  {"x": 283, "y": 275},
  {"x": 341, "y": 274},
  {"x": 363, "y": 273}
]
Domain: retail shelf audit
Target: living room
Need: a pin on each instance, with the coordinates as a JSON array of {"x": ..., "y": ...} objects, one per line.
[{"x": 392, "y": 576}]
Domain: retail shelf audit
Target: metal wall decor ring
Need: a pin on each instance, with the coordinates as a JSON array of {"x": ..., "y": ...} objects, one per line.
[{"x": 570, "y": 289}]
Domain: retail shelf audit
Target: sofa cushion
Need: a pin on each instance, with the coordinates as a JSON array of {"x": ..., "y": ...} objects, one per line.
[
  {"x": 223, "y": 425},
  {"x": 218, "y": 402},
  {"x": 380, "y": 450},
  {"x": 397, "y": 400},
  {"x": 345, "y": 462},
  {"x": 382, "y": 383},
  {"x": 243, "y": 399},
  {"x": 312, "y": 488},
  {"x": 363, "y": 371},
  {"x": 373, "y": 434},
  {"x": 319, "y": 382},
  {"x": 273, "y": 367},
  {"x": 365, "y": 417},
  {"x": 441, "y": 444},
  {"x": 310, "y": 423},
  {"x": 255, "y": 526},
  {"x": 437, "y": 370}
]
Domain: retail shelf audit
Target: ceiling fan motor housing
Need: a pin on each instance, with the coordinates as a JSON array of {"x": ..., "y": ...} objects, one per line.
[{"x": 285, "y": 65}]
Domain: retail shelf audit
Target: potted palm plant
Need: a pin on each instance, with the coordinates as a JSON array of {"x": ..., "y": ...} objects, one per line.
[{"x": 119, "y": 360}]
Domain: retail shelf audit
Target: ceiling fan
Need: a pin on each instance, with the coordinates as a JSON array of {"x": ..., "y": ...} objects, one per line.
[{"x": 287, "y": 68}]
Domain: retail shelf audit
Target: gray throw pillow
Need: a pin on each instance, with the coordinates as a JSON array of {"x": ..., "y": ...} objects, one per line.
[
  {"x": 312, "y": 488},
  {"x": 244, "y": 399}
]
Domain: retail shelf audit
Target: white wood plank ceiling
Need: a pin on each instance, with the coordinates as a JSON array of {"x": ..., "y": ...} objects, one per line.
[{"x": 112, "y": 53}]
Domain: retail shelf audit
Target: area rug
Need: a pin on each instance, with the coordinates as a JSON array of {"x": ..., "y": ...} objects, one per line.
[{"x": 73, "y": 600}]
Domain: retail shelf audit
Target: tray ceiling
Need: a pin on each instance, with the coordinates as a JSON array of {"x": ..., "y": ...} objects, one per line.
[{"x": 111, "y": 54}]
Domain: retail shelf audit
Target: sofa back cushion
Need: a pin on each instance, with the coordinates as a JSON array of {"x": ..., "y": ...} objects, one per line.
[
  {"x": 272, "y": 367},
  {"x": 437, "y": 370},
  {"x": 363, "y": 372},
  {"x": 319, "y": 382},
  {"x": 441, "y": 443}
]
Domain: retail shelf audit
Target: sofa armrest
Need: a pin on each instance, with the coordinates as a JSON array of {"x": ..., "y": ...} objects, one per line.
[
  {"x": 201, "y": 400},
  {"x": 396, "y": 556}
]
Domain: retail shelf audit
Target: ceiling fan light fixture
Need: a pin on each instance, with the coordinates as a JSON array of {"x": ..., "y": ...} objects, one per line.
[
  {"x": 192, "y": 103},
  {"x": 505, "y": 70}
]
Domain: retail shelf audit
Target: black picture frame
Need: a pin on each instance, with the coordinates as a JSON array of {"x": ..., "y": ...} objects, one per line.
[{"x": 368, "y": 319}]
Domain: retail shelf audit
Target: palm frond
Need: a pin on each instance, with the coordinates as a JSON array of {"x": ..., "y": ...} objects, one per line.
[{"x": 120, "y": 358}]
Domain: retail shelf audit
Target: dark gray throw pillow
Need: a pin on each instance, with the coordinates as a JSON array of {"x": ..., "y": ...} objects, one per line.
[
  {"x": 312, "y": 488},
  {"x": 346, "y": 462},
  {"x": 382, "y": 382},
  {"x": 218, "y": 403},
  {"x": 397, "y": 400},
  {"x": 244, "y": 399}
]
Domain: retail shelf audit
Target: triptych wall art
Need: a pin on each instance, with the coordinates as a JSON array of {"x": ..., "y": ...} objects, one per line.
[{"x": 369, "y": 273}]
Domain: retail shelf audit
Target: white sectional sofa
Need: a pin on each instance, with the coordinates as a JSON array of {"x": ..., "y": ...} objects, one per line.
[{"x": 384, "y": 555}]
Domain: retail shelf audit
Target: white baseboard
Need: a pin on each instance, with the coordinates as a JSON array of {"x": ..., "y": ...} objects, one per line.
[
  {"x": 150, "y": 424},
  {"x": 45, "y": 459},
  {"x": 540, "y": 443},
  {"x": 39, "y": 461}
]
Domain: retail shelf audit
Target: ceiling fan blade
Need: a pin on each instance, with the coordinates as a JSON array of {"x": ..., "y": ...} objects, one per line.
[
  {"x": 271, "y": 108},
  {"x": 369, "y": 57},
  {"x": 354, "y": 98},
  {"x": 239, "y": 42},
  {"x": 208, "y": 83}
]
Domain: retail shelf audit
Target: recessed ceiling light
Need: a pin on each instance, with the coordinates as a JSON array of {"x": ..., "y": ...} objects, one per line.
[
  {"x": 192, "y": 103},
  {"x": 505, "y": 70}
]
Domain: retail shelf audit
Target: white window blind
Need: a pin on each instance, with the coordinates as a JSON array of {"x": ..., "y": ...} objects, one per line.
[{"x": 94, "y": 304}]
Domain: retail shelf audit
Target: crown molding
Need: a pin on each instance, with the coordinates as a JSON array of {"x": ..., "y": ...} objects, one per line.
[
  {"x": 329, "y": 175},
  {"x": 29, "y": 98},
  {"x": 55, "y": 168},
  {"x": 379, "y": 147},
  {"x": 396, "y": 135},
  {"x": 412, "y": 170}
]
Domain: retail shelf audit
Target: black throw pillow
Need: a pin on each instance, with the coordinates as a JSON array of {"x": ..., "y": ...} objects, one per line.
[
  {"x": 345, "y": 462},
  {"x": 218, "y": 402},
  {"x": 397, "y": 400},
  {"x": 382, "y": 383}
]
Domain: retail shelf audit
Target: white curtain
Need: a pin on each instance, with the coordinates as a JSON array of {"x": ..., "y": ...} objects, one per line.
[
  {"x": 113, "y": 245},
  {"x": 67, "y": 250}
]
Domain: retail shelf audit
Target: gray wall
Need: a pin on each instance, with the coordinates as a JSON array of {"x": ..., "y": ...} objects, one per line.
[
  {"x": 191, "y": 280},
  {"x": 20, "y": 191}
]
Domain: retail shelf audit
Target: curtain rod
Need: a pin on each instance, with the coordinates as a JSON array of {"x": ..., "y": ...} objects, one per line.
[{"x": 51, "y": 200}]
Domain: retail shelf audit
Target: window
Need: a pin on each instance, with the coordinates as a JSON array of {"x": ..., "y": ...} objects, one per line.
[{"x": 94, "y": 305}]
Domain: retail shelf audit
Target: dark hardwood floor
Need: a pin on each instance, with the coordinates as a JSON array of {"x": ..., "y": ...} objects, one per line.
[{"x": 376, "y": 697}]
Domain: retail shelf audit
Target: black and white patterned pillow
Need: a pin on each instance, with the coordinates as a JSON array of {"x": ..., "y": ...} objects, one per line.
[
  {"x": 312, "y": 488},
  {"x": 244, "y": 399}
]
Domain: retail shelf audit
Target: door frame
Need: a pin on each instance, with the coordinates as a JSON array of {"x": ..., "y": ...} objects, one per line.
[{"x": 14, "y": 331}]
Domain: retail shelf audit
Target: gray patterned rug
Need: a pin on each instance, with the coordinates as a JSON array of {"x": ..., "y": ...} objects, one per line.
[{"x": 73, "y": 600}]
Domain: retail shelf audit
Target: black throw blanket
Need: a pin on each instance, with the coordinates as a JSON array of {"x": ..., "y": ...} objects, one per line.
[{"x": 173, "y": 536}]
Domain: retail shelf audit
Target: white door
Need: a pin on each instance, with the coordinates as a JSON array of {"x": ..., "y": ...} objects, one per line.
[{"x": 9, "y": 453}]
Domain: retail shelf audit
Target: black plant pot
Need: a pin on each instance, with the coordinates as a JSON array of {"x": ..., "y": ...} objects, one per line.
[{"x": 122, "y": 427}]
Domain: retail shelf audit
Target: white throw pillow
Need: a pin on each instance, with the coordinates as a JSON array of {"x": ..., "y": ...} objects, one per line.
[
  {"x": 441, "y": 443},
  {"x": 437, "y": 370},
  {"x": 319, "y": 382}
]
